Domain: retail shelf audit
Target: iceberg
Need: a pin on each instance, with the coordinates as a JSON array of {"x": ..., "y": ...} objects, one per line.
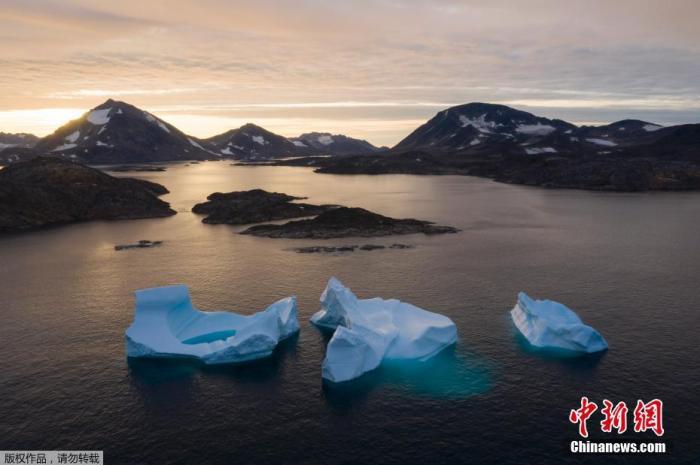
[
  {"x": 167, "y": 325},
  {"x": 551, "y": 325},
  {"x": 368, "y": 331}
]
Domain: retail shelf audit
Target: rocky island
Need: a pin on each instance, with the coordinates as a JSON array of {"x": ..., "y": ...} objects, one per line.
[
  {"x": 348, "y": 248},
  {"x": 138, "y": 168},
  {"x": 347, "y": 222},
  {"x": 48, "y": 191},
  {"x": 254, "y": 206}
]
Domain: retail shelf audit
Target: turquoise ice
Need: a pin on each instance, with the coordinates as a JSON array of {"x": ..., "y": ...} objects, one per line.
[
  {"x": 166, "y": 324},
  {"x": 368, "y": 331},
  {"x": 551, "y": 325}
]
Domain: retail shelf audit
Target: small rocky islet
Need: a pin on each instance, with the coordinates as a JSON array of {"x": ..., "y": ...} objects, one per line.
[
  {"x": 48, "y": 191},
  {"x": 142, "y": 244},
  {"x": 347, "y": 222},
  {"x": 136, "y": 168},
  {"x": 254, "y": 206},
  {"x": 349, "y": 248}
]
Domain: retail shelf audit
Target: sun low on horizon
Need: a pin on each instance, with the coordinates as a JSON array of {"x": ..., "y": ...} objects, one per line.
[{"x": 373, "y": 70}]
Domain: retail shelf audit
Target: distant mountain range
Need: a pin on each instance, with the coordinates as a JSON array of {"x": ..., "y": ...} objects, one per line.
[
  {"x": 335, "y": 144},
  {"x": 17, "y": 140},
  {"x": 510, "y": 145},
  {"x": 478, "y": 139},
  {"x": 116, "y": 132},
  {"x": 482, "y": 129}
]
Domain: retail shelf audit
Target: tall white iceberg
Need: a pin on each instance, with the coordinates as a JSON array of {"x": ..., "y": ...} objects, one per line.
[
  {"x": 166, "y": 324},
  {"x": 551, "y": 325},
  {"x": 368, "y": 331}
]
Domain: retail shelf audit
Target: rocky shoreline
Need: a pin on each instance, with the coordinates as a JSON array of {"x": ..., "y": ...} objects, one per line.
[
  {"x": 48, "y": 191},
  {"x": 587, "y": 172}
]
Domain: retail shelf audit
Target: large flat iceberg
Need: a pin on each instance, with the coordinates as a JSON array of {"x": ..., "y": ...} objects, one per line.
[
  {"x": 368, "y": 331},
  {"x": 166, "y": 324},
  {"x": 551, "y": 325}
]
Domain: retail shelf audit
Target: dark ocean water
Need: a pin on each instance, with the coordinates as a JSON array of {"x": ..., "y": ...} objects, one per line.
[{"x": 629, "y": 264}]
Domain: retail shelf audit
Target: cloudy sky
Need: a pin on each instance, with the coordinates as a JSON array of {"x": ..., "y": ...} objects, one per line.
[{"x": 373, "y": 69}]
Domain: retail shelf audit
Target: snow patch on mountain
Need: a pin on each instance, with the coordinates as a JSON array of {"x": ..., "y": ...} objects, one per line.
[
  {"x": 538, "y": 150},
  {"x": 63, "y": 147},
  {"x": 538, "y": 129},
  {"x": 195, "y": 144},
  {"x": 479, "y": 123},
  {"x": 155, "y": 120},
  {"x": 99, "y": 117},
  {"x": 651, "y": 127},
  {"x": 606, "y": 143},
  {"x": 325, "y": 140},
  {"x": 259, "y": 140},
  {"x": 299, "y": 143},
  {"x": 73, "y": 137}
]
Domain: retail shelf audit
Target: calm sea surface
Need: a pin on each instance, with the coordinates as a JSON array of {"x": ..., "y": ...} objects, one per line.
[{"x": 629, "y": 264}]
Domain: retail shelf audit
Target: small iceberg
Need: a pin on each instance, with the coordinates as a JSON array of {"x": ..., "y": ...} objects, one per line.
[
  {"x": 368, "y": 331},
  {"x": 167, "y": 325},
  {"x": 551, "y": 325}
]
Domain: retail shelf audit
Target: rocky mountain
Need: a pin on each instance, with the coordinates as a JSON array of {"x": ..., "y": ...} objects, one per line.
[
  {"x": 476, "y": 126},
  {"x": 324, "y": 143},
  {"x": 480, "y": 129},
  {"x": 22, "y": 140},
  {"x": 251, "y": 142},
  {"x": 16, "y": 147},
  {"x": 48, "y": 190},
  {"x": 116, "y": 132}
]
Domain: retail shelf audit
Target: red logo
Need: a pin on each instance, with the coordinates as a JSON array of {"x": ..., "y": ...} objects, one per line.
[
  {"x": 614, "y": 417},
  {"x": 647, "y": 416},
  {"x": 582, "y": 415}
]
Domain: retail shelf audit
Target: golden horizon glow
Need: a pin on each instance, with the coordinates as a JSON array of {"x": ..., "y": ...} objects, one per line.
[{"x": 372, "y": 70}]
